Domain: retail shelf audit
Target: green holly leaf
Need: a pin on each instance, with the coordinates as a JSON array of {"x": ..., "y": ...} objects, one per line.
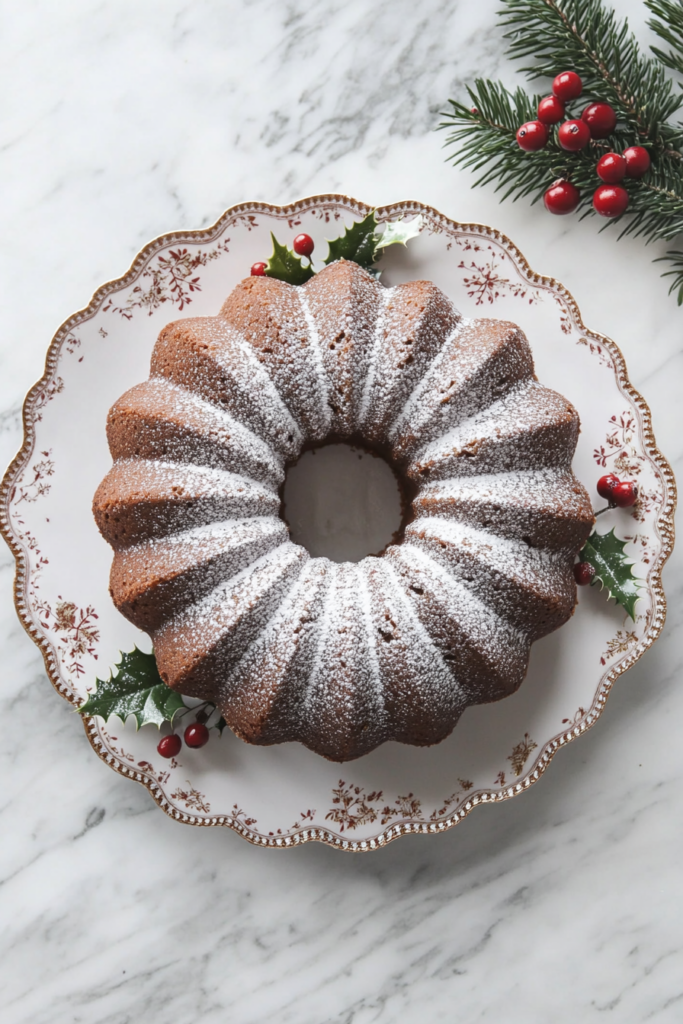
[
  {"x": 605, "y": 552},
  {"x": 358, "y": 243},
  {"x": 221, "y": 724},
  {"x": 286, "y": 266},
  {"x": 136, "y": 689},
  {"x": 399, "y": 232}
]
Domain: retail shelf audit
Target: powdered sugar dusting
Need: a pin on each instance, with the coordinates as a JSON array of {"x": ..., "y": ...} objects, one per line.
[
  {"x": 208, "y": 356},
  {"x": 531, "y": 427},
  {"x": 373, "y": 359},
  {"x": 418, "y": 318},
  {"x": 467, "y": 631},
  {"x": 342, "y": 657},
  {"x": 345, "y": 302},
  {"x": 423, "y": 697},
  {"x": 271, "y": 670},
  {"x": 544, "y": 508},
  {"x": 161, "y": 420},
  {"x": 316, "y": 359},
  {"x": 480, "y": 362},
  {"x": 531, "y": 587}
]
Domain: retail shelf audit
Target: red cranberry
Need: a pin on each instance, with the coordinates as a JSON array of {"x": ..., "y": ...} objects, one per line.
[
  {"x": 567, "y": 86},
  {"x": 550, "y": 110},
  {"x": 611, "y": 168},
  {"x": 583, "y": 573},
  {"x": 624, "y": 495},
  {"x": 573, "y": 135},
  {"x": 610, "y": 200},
  {"x": 532, "y": 136},
  {"x": 562, "y": 197},
  {"x": 169, "y": 746},
  {"x": 258, "y": 269},
  {"x": 600, "y": 118},
  {"x": 637, "y": 161},
  {"x": 196, "y": 734},
  {"x": 606, "y": 485},
  {"x": 303, "y": 245}
]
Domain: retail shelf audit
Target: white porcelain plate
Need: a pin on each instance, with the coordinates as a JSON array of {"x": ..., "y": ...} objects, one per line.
[{"x": 285, "y": 795}]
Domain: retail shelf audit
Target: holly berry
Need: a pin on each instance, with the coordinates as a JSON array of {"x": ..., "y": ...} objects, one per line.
[
  {"x": 562, "y": 197},
  {"x": 169, "y": 746},
  {"x": 532, "y": 136},
  {"x": 567, "y": 86},
  {"x": 303, "y": 245},
  {"x": 600, "y": 118},
  {"x": 583, "y": 573},
  {"x": 610, "y": 200},
  {"x": 550, "y": 110},
  {"x": 196, "y": 734},
  {"x": 258, "y": 269},
  {"x": 573, "y": 135},
  {"x": 637, "y": 161},
  {"x": 624, "y": 494},
  {"x": 606, "y": 485},
  {"x": 611, "y": 168}
]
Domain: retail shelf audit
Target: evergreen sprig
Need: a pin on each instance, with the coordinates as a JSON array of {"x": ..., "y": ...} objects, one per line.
[
  {"x": 586, "y": 37},
  {"x": 670, "y": 29}
]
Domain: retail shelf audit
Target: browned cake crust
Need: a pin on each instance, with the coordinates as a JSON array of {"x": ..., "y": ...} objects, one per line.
[{"x": 342, "y": 657}]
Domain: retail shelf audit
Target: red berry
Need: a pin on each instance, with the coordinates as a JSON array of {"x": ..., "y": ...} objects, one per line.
[
  {"x": 196, "y": 735},
  {"x": 583, "y": 573},
  {"x": 573, "y": 135},
  {"x": 610, "y": 200},
  {"x": 562, "y": 197},
  {"x": 169, "y": 746},
  {"x": 303, "y": 245},
  {"x": 532, "y": 136},
  {"x": 624, "y": 495},
  {"x": 606, "y": 485},
  {"x": 637, "y": 161},
  {"x": 258, "y": 269},
  {"x": 567, "y": 86},
  {"x": 601, "y": 119},
  {"x": 550, "y": 110},
  {"x": 611, "y": 168}
]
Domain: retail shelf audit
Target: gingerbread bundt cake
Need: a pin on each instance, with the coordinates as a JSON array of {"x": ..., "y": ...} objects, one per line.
[{"x": 342, "y": 657}]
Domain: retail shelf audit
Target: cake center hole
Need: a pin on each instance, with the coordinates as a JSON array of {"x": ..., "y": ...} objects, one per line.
[{"x": 342, "y": 502}]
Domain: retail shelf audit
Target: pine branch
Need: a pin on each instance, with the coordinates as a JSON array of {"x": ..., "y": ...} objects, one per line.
[
  {"x": 675, "y": 257},
  {"x": 486, "y": 132},
  {"x": 670, "y": 29},
  {"x": 587, "y": 37}
]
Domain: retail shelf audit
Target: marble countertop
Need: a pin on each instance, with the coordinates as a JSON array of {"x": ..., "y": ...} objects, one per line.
[{"x": 125, "y": 120}]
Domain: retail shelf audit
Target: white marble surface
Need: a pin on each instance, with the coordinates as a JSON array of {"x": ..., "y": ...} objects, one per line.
[{"x": 121, "y": 121}]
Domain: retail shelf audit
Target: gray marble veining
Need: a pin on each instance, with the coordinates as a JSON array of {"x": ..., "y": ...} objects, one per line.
[{"x": 126, "y": 120}]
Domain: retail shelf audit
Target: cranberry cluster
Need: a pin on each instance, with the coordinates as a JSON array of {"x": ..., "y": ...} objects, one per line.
[
  {"x": 597, "y": 121},
  {"x": 303, "y": 245},
  {"x": 196, "y": 735},
  {"x": 618, "y": 494}
]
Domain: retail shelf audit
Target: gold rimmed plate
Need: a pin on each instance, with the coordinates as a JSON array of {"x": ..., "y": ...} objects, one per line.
[{"x": 285, "y": 795}]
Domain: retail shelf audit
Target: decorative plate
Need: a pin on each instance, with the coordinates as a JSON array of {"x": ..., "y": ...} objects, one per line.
[{"x": 285, "y": 795}]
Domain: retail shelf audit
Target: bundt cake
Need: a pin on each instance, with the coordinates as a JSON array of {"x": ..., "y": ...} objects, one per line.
[{"x": 342, "y": 657}]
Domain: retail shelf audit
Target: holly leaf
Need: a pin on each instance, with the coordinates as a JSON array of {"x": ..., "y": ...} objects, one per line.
[
  {"x": 136, "y": 689},
  {"x": 284, "y": 265},
  {"x": 399, "y": 232},
  {"x": 605, "y": 552},
  {"x": 358, "y": 243},
  {"x": 221, "y": 724}
]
